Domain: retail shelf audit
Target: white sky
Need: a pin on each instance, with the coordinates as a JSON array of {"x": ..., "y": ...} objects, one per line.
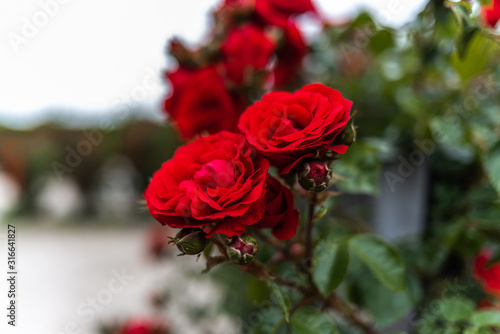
[{"x": 91, "y": 55}]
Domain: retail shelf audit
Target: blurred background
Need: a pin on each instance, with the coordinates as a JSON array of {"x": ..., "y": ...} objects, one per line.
[{"x": 81, "y": 133}]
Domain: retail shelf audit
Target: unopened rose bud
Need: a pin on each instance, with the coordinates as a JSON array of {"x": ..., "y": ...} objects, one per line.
[
  {"x": 314, "y": 175},
  {"x": 242, "y": 249},
  {"x": 190, "y": 241},
  {"x": 349, "y": 134}
]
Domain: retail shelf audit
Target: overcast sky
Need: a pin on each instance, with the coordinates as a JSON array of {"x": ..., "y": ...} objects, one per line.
[{"x": 93, "y": 55}]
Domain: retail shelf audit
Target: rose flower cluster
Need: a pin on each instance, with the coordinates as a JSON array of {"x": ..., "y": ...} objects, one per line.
[
  {"x": 219, "y": 183},
  {"x": 253, "y": 45}
]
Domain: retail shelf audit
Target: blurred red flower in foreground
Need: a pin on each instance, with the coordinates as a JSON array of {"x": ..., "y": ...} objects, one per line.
[
  {"x": 246, "y": 50},
  {"x": 491, "y": 13},
  {"x": 280, "y": 214},
  {"x": 488, "y": 274},
  {"x": 200, "y": 102},
  {"x": 214, "y": 182},
  {"x": 143, "y": 327}
]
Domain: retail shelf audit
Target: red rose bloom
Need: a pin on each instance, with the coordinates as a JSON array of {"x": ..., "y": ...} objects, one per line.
[
  {"x": 491, "y": 13},
  {"x": 200, "y": 102},
  {"x": 143, "y": 327},
  {"x": 488, "y": 275},
  {"x": 280, "y": 214},
  {"x": 290, "y": 55},
  {"x": 246, "y": 50},
  {"x": 288, "y": 127},
  {"x": 211, "y": 183},
  {"x": 274, "y": 12},
  {"x": 277, "y": 12}
]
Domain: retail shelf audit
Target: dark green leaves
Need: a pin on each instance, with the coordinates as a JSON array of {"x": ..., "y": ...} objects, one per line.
[
  {"x": 282, "y": 299},
  {"x": 383, "y": 260},
  {"x": 466, "y": 28},
  {"x": 331, "y": 263},
  {"x": 309, "y": 320},
  {"x": 492, "y": 165}
]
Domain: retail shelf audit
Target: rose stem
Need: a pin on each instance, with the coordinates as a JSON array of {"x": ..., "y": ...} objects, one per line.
[{"x": 308, "y": 254}]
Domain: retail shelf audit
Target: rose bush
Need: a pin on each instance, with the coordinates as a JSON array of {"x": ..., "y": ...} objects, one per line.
[
  {"x": 213, "y": 182},
  {"x": 288, "y": 127}
]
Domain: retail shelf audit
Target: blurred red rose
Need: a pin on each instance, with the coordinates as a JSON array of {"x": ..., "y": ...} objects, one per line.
[
  {"x": 491, "y": 13},
  {"x": 200, "y": 102},
  {"x": 212, "y": 183},
  {"x": 245, "y": 50},
  {"x": 274, "y": 12},
  {"x": 280, "y": 214},
  {"x": 289, "y": 55},
  {"x": 277, "y": 12},
  {"x": 143, "y": 327},
  {"x": 488, "y": 275},
  {"x": 157, "y": 241},
  {"x": 288, "y": 127}
]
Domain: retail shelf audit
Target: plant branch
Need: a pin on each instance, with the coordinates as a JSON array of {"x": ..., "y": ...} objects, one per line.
[{"x": 335, "y": 302}]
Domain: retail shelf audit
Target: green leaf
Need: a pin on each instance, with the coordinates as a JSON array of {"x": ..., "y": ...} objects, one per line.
[
  {"x": 466, "y": 28},
  {"x": 480, "y": 52},
  {"x": 283, "y": 300},
  {"x": 486, "y": 319},
  {"x": 492, "y": 166},
  {"x": 310, "y": 320},
  {"x": 339, "y": 266},
  {"x": 456, "y": 309},
  {"x": 331, "y": 260},
  {"x": 382, "y": 259}
]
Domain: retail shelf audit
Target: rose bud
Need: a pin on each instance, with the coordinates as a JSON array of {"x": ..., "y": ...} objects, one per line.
[
  {"x": 242, "y": 249},
  {"x": 190, "y": 241},
  {"x": 349, "y": 134},
  {"x": 314, "y": 175}
]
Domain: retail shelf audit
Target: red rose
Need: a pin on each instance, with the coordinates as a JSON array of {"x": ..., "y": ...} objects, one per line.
[
  {"x": 488, "y": 274},
  {"x": 290, "y": 55},
  {"x": 491, "y": 13},
  {"x": 277, "y": 12},
  {"x": 274, "y": 12},
  {"x": 280, "y": 214},
  {"x": 212, "y": 183},
  {"x": 287, "y": 127},
  {"x": 143, "y": 327},
  {"x": 200, "y": 102},
  {"x": 246, "y": 50}
]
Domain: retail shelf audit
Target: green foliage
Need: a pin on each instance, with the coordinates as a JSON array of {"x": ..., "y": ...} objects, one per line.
[
  {"x": 492, "y": 165},
  {"x": 282, "y": 299},
  {"x": 330, "y": 266},
  {"x": 311, "y": 320},
  {"x": 382, "y": 259}
]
